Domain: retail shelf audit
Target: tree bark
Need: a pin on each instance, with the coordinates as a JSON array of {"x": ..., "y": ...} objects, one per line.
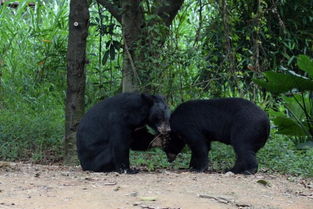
[
  {"x": 228, "y": 43},
  {"x": 76, "y": 60},
  {"x": 138, "y": 50},
  {"x": 132, "y": 25}
]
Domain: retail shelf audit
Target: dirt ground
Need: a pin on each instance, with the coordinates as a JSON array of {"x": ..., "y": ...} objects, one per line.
[{"x": 37, "y": 186}]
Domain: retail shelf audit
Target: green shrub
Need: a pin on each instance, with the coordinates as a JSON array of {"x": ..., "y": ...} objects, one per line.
[
  {"x": 32, "y": 81},
  {"x": 297, "y": 117},
  {"x": 31, "y": 132},
  {"x": 280, "y": 154}
]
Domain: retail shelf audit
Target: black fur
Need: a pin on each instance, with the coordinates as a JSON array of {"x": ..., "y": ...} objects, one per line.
[
  {"x": 141, "y": 139},
  {"x": 234, "y": 121},
  {"x": 106, "y": 132}
]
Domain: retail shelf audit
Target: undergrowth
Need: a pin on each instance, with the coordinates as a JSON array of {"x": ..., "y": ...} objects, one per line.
[
  {"x": 278, "y": 155},
  {"x": 32, "y": 131}
]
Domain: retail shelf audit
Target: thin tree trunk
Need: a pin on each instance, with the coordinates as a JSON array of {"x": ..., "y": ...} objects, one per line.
[
  {"x": 132, "y": 24},
  {"x": 76, "y": 60},
  {"x": 228, "y": 43},
  {"x": 256, "y": 38}
]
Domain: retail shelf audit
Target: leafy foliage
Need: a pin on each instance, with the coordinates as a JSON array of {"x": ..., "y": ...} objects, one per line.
[
  {"x": 280, "y": 83},
  {"x": 31, "y": 132},
  {"x": 32, "y": 81},
  {"x": 282, "y": 155},
  {"x": 306, "y": 64},
  {"x": 212, "y": 49},
  {"x": 299, "y": 118}
]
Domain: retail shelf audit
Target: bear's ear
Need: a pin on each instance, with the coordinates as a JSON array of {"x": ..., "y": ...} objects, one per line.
[{"x": 148, "y": 98}]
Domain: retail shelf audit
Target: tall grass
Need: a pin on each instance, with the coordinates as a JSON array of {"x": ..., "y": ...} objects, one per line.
[
  {"x": 33, "y": 44},
  {"x": 32, "y": 65}
]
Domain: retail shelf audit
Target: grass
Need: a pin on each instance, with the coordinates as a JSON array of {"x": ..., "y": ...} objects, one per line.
[
  {"x": 281, "y": 155},
  {"x": 278, "y": 155},
  {"x": 32, "y": 131},
  {"x": 32, "y": 81}
]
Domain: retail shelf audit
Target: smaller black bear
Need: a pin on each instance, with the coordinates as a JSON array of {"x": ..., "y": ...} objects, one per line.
[
  {"x": 234, "y": 121},
  {"x": 110, "y": 128}
]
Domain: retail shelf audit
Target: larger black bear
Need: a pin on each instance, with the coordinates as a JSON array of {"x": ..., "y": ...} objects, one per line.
[
  {"x": 234, "y": 121},
  {"x": 108, "y": 130}
]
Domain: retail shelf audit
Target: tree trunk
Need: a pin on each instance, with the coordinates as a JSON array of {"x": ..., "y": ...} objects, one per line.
[
  {"x": 76, "y": 60},
  {"x": 140, "y": 42},
  {"x": 227, "y": 30},
  {"x": 132, "y": 24}
]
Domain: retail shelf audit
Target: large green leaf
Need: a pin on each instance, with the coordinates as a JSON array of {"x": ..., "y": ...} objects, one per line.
[
  {"x": 287, "y": 126},
  {"x": 298, "y": 110},
  {"x": 305, "y": 64},
  {"x": 280, "y": 83},
  {"x": 306, "y": 145}
]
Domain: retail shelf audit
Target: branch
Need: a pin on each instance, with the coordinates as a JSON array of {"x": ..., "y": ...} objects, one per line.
[
  {"x": 112, "y": 8},
  {"x": 168, "y": 9}
]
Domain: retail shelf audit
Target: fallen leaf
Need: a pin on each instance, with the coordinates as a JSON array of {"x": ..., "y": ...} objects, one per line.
[
  {"x": 263, "y": 182},
  {"x": 116, "y": 188}
]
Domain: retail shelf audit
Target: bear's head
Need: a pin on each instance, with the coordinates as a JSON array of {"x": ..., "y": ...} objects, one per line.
[
  {"x": 159, "y": 113},
  {"x": 172, "y": 145}
]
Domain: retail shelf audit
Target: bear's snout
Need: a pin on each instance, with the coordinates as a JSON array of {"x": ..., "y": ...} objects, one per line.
[{"x": 164, "y": 128}]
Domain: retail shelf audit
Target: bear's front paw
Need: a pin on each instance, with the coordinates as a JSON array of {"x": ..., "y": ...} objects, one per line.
[
  {"x": 128, "y": 171},
  {"x": 243, "y": 171},
  {"x": 198, "y": 170}
]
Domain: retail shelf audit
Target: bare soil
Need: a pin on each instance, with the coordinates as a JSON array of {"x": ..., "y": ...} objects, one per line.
[{"x": 37, "y": 186}]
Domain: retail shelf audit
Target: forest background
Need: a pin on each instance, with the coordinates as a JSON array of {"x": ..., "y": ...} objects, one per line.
[{"x": 259, "y": 50}]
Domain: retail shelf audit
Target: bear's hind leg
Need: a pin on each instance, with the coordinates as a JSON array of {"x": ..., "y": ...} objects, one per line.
[
  {"x": 246, "y": 162},
  {"x": 199, "y": 156}
]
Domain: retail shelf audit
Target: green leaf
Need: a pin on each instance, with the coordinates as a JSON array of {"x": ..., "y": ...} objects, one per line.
[
  {"x": 112, "y": 52},
  {"x": 263, "y": 182},
  {"x": 117, "y": 45},
  {"x": 91, "y": 24},
  {"x": 305, "y": 64},
  {"x": 151, "y": 130},
  {"x": 298, "y": 110},
  {"x": 280, "y": 83},
  {"x": 287, "y": 126},
  {"x": 306, "y": 145},
  {"x": 105, "y": 57}
]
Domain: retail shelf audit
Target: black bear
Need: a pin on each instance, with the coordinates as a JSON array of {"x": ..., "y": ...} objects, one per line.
[
  {"x": 142, "y": 139},
  {"x": 106, "y": 131},
  {"x": 234, "y": 121}
]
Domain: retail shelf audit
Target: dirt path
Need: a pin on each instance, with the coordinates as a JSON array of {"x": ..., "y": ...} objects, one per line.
[{"x": 36, "y": 186}]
